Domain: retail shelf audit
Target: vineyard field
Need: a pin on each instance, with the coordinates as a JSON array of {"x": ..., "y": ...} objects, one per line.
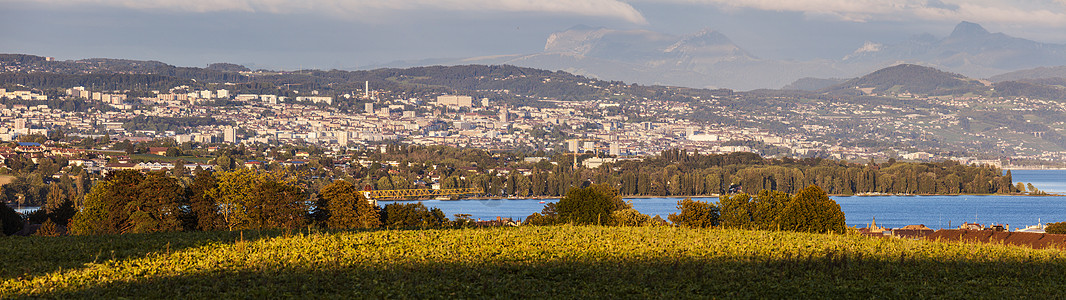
[{"x": 527, "y": 261}]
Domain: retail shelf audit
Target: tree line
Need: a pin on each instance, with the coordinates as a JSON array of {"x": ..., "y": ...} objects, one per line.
[
  {"x": 128, "y": 201},
  {"x": 809, "y": 210},
  {"x": 683, "y": 173}
]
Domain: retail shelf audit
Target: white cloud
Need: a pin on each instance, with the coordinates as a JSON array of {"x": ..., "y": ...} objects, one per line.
[
  {"x": 1014, "y": 12},
  {"x": 371, "y": 9}
]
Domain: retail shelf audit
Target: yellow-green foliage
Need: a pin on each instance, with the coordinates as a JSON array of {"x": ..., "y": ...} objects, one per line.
[
  {"x": 1056, "y": 228},
  {"x": 695, "y": 214},
  {"x": 528, "y": 262}
]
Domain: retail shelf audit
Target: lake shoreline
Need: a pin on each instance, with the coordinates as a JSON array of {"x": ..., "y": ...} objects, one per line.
[{"x": 716, "y": 196}]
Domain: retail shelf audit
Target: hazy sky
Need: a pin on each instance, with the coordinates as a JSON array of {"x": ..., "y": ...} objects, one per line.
[{"x": 290, "y": 34}]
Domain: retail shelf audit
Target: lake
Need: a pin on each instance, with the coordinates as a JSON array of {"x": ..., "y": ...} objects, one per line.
[
  {"x": 891, "y": 211},
  {"x": 1051, "y": 181}
]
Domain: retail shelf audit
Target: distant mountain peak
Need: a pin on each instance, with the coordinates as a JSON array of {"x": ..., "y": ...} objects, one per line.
[
  {"x": 706, "y": 36},
  {"x": 969, "y": 29},
  {"x": 583, "y": 27}
]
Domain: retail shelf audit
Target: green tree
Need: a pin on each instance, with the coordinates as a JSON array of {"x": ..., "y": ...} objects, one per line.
[
  {"x": 737, "y": 211},
  {"x": 1056, "y": 228},
  {"x": 234, "y": 194},
  {"x": 405, "y": 215},
  {"x": 767, "y": 206},
  {"x": 695, "y": 214},
  {"x": 59, "y": 207},
  {"x": 160, "y": 205},
  {"x": 811, "y": 210},
  {"x": 590, "y": 205},
  {"x": 346, "y": 207},
  {"x": 106, "y": 208},
  {"x": 276, "y": 204},
  {"x": 204, "y": 207},
  {"x": 93, "y": 217}
]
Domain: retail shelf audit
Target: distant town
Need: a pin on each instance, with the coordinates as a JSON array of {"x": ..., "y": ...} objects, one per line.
[{"x": 621, "y": 124}]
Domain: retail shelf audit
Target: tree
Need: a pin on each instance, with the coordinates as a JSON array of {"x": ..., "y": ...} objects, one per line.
[
  {"x": 59, "y": 207},
  {"x": 204, "y": 207},
  {"x": 767, "y": 206},
  {"x": 10, "y": 220},
  {"x": 737, "y": 211},
  {"x": 412, "y": 215},
  {"x": 159, "y": 206},
  {"x": 48, "y": 228},
  {"x": 590, "y": 205},
  {"x": 811, "y": 210},
  {"x": 173, "y": 152},
  {"x": 1056, "y": 228},
  {"x": 179, "y": 168},
  {"x": 276, "y": 204},
  {"x": 346, "y": 207},
  {"x": 106, "y": 208},
  {"x": 233, "y": 195},
  {"x": 695, "y": 214}
]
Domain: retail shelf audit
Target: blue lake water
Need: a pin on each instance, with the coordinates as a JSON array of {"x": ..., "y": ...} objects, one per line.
[
  {"x": 1051, "y": 181},
  {"x": 891, "y": 211}
]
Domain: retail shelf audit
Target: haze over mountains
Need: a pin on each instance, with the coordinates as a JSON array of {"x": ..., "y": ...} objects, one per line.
[{"x": 709, "y": 59}]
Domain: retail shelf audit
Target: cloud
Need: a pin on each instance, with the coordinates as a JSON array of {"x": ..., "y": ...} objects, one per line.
[
  {"x": 370, "y": 9},
  {"x": 1029, "y": 12}
]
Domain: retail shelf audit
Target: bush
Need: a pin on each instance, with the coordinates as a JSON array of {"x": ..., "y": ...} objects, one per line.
[
  {"x": 695, "y": 214},
  {"x": 590, "y": 205},
  {"x": 537, "y": 219},
  {"x": 48, "y": 228},
  {"x": 758, "y": 212},
  {"x": 1056, "y": 228},
  {"x": 629, "y": 217},
  {"x": 811, "y": 210},
  {"x": 412, "y": 215}
]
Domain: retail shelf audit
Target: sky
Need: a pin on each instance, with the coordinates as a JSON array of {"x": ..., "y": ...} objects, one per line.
[{"x": 340, "y": 34}]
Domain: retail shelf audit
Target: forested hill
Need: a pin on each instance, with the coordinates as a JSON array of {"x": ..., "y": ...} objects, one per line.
[
  {"x": 913, "y": 79},
  {"x": 523, "y": 85}
]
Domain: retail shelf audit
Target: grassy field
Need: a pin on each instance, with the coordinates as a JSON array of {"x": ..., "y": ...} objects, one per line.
[{"x": 540, "y": 262}]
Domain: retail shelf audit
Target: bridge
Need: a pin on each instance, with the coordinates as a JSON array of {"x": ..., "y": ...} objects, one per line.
[{"x": 374, "y": 195}]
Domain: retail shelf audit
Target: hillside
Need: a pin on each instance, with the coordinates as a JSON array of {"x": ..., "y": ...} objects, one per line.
[
  {"x": 535, "y": 262},
  {"x": 913, "y": 79},
  {"x": 1035, "y": 73}
]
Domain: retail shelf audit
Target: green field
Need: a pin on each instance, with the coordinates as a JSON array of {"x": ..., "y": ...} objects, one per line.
[{"x": 538, "y": 262}]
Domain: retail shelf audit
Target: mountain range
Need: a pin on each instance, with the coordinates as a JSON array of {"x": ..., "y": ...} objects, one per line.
[{"x": 709, "y": 59}]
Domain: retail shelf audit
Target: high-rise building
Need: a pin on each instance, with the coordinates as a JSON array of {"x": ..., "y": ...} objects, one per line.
[
  {"x": 342, "y": 138},
  {"x": 572, "y": 145},
  {"x": 368, "y": 108},
  {"x": 503, "y": 114},
  {"x": 229, "y": 135},
  {"x": 589, "y": 146},
  {"x": 20, "y": 123},
  {"x": 222, "y": 93},
  {"x": 615, "y": 149}
]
